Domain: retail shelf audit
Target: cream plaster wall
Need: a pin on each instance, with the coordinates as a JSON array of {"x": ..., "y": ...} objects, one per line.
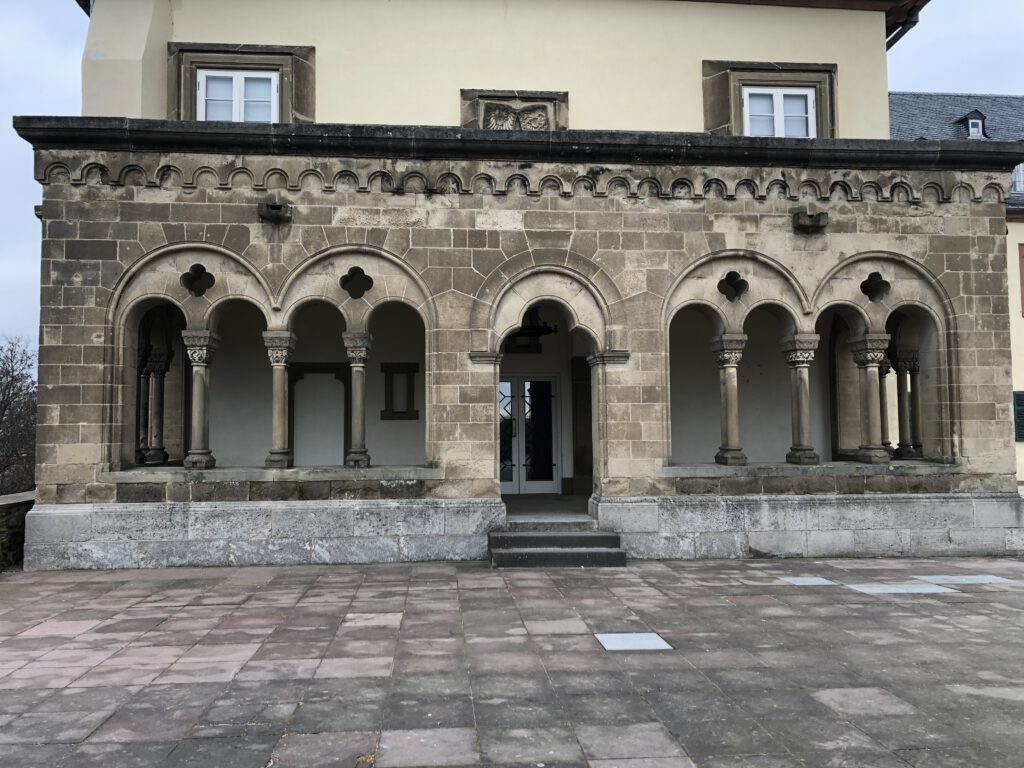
[
  {"x": 627, "y": 64},
  {"x": 1015, "y": 238},
  {"x": 124, "y": 66}
]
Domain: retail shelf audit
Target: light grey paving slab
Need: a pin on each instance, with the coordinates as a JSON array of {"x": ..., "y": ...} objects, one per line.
[
  {"x": 980, "y": 579},
  {"x": 428, "y": 747},
  {"x": 863, "y": 701},
  {"x": 900, "y": 589},
  {"x": 633, "y": 641},
  {"x": 808, "y": 581}
]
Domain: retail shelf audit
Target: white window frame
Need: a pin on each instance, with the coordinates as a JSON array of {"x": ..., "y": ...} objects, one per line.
[
  {"x": 238, "y": 90},
  {"x": 778, "y": 94},
  {"x": 976, "y": 128},
  {"x": 1017, "y": 182}
]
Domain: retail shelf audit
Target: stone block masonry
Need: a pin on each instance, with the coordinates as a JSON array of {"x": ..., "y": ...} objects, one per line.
[{"x": 472, "y": 228}]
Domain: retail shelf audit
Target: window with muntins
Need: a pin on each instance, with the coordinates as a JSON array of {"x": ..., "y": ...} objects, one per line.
[
  {"x": 779, "y": 112},
  {"x": 238, "y": 96}
]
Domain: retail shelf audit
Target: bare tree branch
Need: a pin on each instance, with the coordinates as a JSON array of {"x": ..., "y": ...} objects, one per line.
[{"x": 17, "y": 415}]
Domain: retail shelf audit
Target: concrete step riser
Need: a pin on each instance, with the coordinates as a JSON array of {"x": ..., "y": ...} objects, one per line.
[
  {"x": 588, "y": 525},
  {"x": 563, "y": 539}
]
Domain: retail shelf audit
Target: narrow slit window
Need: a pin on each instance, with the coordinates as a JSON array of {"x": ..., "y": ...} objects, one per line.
[{"x": 399, "y": 391}]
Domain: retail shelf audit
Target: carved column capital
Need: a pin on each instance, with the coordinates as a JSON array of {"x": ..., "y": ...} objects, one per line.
[
  {"x": 870, "y": 349},
  {"x": 158, "y": 362},
  {"x": 200, "y": 346},
  {"x": 799, "y": 348},
  {"x": 357, "y": 346},
  {"x": 728, "y": 348},
  {"x": 906, "y": 360},
  {"x": 280, "y": 345}
]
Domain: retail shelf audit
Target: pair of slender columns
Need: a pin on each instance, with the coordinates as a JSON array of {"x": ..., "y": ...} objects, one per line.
[
  {"x": 908, "y": 403},
  {"x": 280, "y": 345},
  {"x": 799, "y": 353},
  {"x": 869, "y": 355}
]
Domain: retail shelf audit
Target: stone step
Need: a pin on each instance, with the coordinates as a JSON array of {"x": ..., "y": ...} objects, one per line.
[
  {"x": 549, "y": 521},
  {"x": 558, "y": 557},
  {"x": 552, "y": 539}
]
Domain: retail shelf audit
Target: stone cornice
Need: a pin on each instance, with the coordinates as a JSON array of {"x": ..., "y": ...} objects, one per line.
[{"x": 443, "y": 143}]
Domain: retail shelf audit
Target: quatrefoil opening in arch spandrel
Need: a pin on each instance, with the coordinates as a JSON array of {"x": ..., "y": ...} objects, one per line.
[
  {"x": 197, "y": 280},
  {"x": 875, "y": 287},
  {"x": 356, "y": 282},
  {"x": 733, "y": 286}
]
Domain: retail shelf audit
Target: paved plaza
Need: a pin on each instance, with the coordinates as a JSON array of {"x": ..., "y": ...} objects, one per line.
[{"x": 772, "y": 664}]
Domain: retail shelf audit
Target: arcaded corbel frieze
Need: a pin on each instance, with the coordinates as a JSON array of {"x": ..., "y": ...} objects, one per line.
[{"x": 328, "y": 175}]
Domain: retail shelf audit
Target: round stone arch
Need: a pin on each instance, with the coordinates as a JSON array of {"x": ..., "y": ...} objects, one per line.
[
  {"x": 157, "y": 278},
  {"x": 734, "y": 282},
  {"x": 584, "y": 306},
  {"x": 876, "y": 282},
  {"x": 321, "y": 275}
]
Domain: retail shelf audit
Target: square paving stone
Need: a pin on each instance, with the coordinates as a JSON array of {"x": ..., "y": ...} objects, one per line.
[
  {"x": 566, "y": 626},
  {"x": 371, "y": 666},
  {"x": 980, "y": 579},
  {"x": 807, "y": 581},
  {"x": 648, "y": 762},
  {"x": 529, "y": 745},
  {"x": 428, "y": 747},
  {"x": 909, "y": 588},
  {"x": 864, "y": 701},
  {"x": 353, "y": 749},
  {"x": 620, "y": 741}
]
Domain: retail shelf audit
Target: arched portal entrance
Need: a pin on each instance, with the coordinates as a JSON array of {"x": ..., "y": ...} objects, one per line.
[{"x": 545, "y": 419}]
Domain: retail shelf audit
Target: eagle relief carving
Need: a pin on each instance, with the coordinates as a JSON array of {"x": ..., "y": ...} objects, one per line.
[{"x": 503, "y": 117}]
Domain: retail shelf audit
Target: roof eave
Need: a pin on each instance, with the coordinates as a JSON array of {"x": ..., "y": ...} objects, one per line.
[{"x": 452, "y": 143}]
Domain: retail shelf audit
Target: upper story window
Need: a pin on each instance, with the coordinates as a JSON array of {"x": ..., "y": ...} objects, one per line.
[
  {"x": 238, "y": 96},
  {"x": 241, "y": 83},
  {"x": 975, "y": 129},
  {"x": 749, "y": 98},
  {"x": 788, "y": 112},
  {"x": 1017, "y": 185}
]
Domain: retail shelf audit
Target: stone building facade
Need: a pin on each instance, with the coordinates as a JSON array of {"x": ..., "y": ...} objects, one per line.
[{"x": 734, "y": 346}]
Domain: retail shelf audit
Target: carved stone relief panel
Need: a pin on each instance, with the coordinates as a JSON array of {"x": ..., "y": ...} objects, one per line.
[{"x": 515, "y": 110}]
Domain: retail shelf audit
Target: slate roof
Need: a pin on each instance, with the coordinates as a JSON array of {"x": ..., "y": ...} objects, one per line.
[
  {"x": 915, "y": 116},
  {"x": 936, "y": 115}
]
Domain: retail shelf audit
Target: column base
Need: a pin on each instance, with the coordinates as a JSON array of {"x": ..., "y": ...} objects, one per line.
[
  {"x": 907, "y": 452},
  {"x": 731, "y": 457},
  {"x": 278, "y": 460},
  {"x": 358, "y": 458},
  {"x": 802, "y": 456},
  {"x": 199, "y": 460},
  {"x": 156, "y": 457},
  {"x": 873, "y": 454}
]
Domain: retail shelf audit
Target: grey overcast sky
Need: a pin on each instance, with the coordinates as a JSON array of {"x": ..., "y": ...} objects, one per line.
[{"x": 960, "y": 45}]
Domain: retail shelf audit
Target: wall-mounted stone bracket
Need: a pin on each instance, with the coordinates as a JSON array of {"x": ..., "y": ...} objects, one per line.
[
  {"x": 808, "y": 223},
  {"x": 274, "y": 211}
]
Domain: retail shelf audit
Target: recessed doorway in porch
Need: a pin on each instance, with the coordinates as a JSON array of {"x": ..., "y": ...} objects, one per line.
[{"x": 545, "y": 419}]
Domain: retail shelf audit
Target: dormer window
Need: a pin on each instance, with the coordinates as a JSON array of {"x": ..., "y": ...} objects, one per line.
[{"x": 976, "y": 129}]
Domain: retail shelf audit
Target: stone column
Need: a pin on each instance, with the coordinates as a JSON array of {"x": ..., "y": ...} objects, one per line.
[
  {"x": 280, "y": 345},
  {"x": 729, "y": 350},
  {"x": 357, "y": 345},
  {"x": 200, "y": 346},
  {"x": 883, "y": 404},
  {"x": 799, "y": 352},
  {"x": 142, "y": 413},
  {"x": 157, "y": 365},
  {"x": 868, "y": 353},
  {"x": 916, "y": 412},
  {"x": 904, "y": 361}
]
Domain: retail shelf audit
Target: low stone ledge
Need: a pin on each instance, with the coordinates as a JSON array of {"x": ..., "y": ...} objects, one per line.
[
  {"x": 687, "y": 527},
  {"x": 101, "y": 536}
]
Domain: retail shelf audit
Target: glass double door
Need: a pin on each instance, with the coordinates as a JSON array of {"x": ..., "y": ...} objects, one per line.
[{"x": 528, "y": 427}]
